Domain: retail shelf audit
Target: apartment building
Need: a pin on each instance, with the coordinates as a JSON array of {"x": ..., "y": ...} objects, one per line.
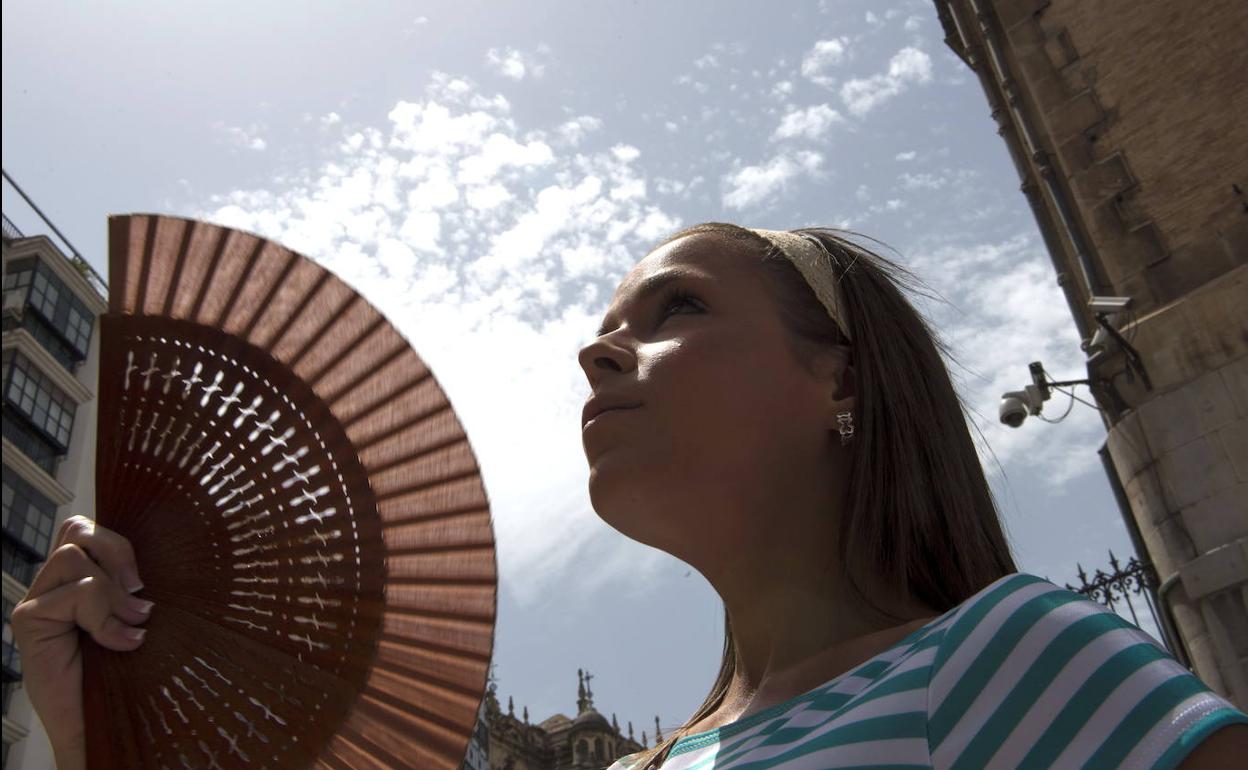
[{"x": 52, "y": 303}]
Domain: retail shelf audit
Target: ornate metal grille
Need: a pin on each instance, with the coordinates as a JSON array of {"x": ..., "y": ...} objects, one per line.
[{"x": 1128, "y": 585}]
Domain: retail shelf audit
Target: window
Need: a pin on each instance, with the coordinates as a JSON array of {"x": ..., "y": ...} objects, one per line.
[
  {"x": 31, "y": 443},
  {"x": 62, "y": 351},
  {"x": 9, "y": 657},
  {"x": 58, "y": 318},
  {"x": 31, "y": 394},
  {"x": 58, "y": 305},
  {"x": 19, "y": 562},
  {"x": 17, "y": 278},
  {"x": 45, "y": 292},
  {"x": 29, "y": 517}
]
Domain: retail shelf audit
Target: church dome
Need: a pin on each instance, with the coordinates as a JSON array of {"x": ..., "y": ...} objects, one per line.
[{"x": 591, "y": 719}]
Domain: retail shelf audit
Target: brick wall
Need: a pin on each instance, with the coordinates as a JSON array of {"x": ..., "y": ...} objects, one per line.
[
  {"x": 1138, "y": 116},
  {"x": 1141, "y": 104}
]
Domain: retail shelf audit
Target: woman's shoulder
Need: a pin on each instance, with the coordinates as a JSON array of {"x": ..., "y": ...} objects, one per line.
[
  {"x": 1031, "y": 673},
  {"x": 627, "y": 762}
]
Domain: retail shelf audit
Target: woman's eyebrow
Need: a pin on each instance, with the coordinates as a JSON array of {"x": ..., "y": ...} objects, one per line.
[{"x": 652, "y": 284}]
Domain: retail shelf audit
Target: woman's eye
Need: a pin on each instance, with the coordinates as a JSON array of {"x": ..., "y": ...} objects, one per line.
[{"x": 678, "y": 301}]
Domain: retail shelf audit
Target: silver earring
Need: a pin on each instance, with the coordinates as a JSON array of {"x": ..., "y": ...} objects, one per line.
[{"x": 846, "y": 419}]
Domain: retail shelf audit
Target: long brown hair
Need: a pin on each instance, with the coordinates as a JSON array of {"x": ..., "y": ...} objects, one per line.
[{"x": 919, "y": 515}]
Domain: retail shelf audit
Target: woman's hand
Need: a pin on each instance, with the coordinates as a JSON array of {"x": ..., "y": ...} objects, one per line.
[{"x": 87, "y": 583}]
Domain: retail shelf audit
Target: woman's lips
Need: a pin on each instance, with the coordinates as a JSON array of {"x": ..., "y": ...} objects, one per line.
[{"x": 608, "y": 412}]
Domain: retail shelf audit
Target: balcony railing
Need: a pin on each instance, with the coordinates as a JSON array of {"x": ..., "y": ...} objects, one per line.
[
  {"x": 1134, "y": 579},
  {"x": 10, "y": 230},
  {"x": 86, "y": 271}
]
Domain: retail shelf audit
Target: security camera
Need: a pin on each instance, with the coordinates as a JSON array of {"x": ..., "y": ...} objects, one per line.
[
  {"x": 1014, "y": 408},
  {"x": 1109, "y": 304},
  {"x": 1017, "y": 404},
  {"x": 1106, "y": 309}
]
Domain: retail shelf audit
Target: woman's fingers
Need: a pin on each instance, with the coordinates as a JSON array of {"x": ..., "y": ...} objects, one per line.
[
  {"x": 71, "y": 566},
  {"x": 88, "y": 604},
  {"x": 80, "y": 586},
  {"x": 109, "y": 549}
]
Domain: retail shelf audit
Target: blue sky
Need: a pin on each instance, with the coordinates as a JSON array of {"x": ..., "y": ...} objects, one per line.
[{"x": 485, "y": 173}]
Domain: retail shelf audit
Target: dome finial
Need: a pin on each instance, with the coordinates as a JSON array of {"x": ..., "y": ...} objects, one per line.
[{"x": 582, "y": 703}]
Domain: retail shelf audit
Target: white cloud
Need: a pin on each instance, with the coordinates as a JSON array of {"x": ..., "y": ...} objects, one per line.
[
  {"x": 625, "y": 153},
  {"x": 913, "y": 23},
  {"x": 516, "y": 64},
  {"x": 678, "y": 187},
  {"x": 959, "y": 179},
  {"x": 782, "y": 89},
  {"x": 706, "y": 62},
  {"x": 495, "y": 254},
  {"x": 420, "y": 21},
  {"x": 332, "y": 119},
  {"x": 500, "y": 151},
  {"x": 908, "y": 66},
  {"x": 424, "y": 127},
  {"x": 1005, "y": 311},
  {"x": 696, "y": 85},
  {"x": 923, "y": 181},
  {"x": 810, "y": 123},
  {"x": 574, "y": 130},
  {"x": 908, "y": 155},
  {"x": 245, "y": 138},
  {"x": 752, "y": 185},
  {"x": 822, "y": 56},
  {"x": 486, "y": 197}
]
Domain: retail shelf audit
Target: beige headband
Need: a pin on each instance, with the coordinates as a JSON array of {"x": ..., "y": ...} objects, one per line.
[{"x": 816, "y": 265}]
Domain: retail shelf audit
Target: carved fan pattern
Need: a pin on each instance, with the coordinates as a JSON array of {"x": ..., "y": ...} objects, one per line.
[{"x": 306, "y": 513}]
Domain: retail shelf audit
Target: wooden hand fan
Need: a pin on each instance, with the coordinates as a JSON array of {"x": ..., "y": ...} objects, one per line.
[{"x": 305, "y": 510}]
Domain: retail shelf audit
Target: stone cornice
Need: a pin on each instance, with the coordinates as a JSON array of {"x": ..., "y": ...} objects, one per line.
[
  {"x": 14, "y": 591},
  {"x": 24, "y": 342},
  {"x": 37, "y": 477}
]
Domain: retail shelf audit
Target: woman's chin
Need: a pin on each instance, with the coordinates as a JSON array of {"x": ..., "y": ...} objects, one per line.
[{"x": 655, "y": 521}]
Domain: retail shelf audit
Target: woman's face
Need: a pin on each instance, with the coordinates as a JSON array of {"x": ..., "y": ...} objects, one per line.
[{"x": 722, "y": 419}]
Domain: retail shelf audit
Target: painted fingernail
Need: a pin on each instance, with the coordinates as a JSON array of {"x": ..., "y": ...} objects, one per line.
[
  {"x": 136, "y": 633},
  {"x": 142, "y": 605}
]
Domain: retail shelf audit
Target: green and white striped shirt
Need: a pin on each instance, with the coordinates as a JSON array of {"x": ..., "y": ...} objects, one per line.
[{"x": 1021, "y": 675}]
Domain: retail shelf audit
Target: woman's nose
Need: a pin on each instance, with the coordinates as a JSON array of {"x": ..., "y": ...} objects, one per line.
[{"x": 602, "y": 356}]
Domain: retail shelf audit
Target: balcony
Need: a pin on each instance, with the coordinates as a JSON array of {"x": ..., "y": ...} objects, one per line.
[
  {"x": 37, "y": 299},
  {"x": 97, "y": 282}
]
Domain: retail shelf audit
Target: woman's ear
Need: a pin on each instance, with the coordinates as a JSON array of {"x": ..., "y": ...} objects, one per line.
[
  {"x": 846, "y": 383},
  {"x": 836, "y": 370}
]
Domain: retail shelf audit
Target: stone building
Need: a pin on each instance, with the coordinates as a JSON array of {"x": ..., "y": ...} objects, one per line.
[
  {"x": 584, "y": 742},
  {"x": 1126, "y": 121},
  {"x": 51, "y": 355}
]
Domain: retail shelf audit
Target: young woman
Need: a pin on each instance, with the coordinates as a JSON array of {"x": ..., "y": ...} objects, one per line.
[{"x": 769, "y": 408}]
